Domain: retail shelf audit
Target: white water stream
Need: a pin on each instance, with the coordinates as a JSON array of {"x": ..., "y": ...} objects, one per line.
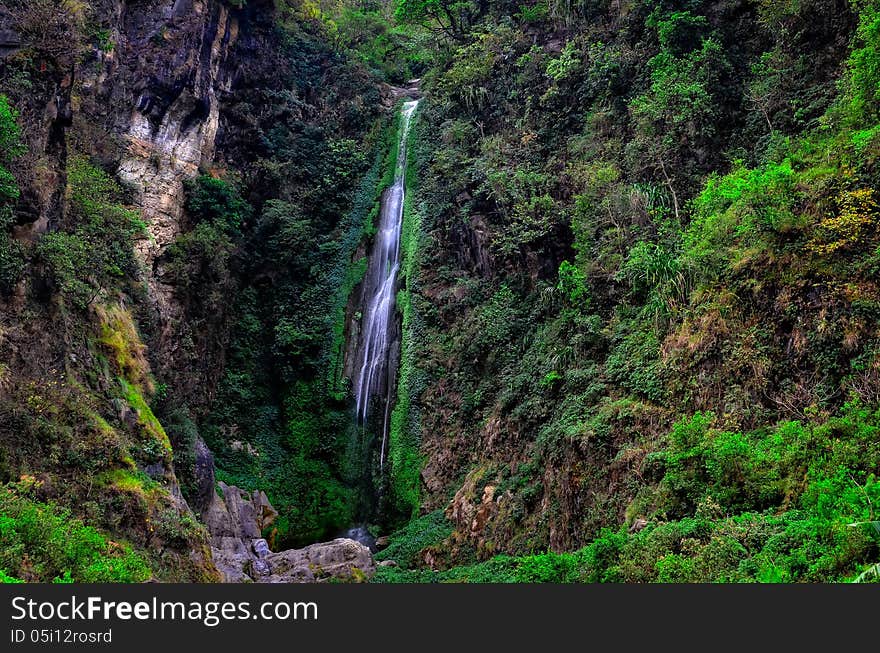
[{"x": 373, "y": 372}]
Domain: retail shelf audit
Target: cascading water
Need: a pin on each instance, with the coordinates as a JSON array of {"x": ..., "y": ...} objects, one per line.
[{"x": 373, "y": 372}]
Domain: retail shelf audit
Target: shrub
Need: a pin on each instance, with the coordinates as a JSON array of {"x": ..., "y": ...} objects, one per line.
[
  {"x": 864, "y": 70},
  {"x": 94, "y": 251},
  {"x": 218, "y": 202},
  {"x": 12, "y": 260},
  {"x": 43, "y": 542},
  {"x": 680, "y": 111},
  {"x": 851, "y": 228},
  {"x": 738, "y": 212},
  {"x": 406, "y": 545},
  {"x": 634, "y": 361}
]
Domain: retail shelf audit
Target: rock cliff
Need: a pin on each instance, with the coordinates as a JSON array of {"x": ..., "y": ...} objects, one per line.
[{"x": 119, "y": 104}]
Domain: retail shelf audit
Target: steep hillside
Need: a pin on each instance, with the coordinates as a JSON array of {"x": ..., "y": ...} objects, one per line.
[
  {"x": 629, "y": 327},
  {"x": 165, "y": 165},
  {"x": 645, "y": 302}
]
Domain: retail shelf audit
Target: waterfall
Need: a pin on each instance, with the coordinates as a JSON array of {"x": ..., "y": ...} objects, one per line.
[{"x": 373, "y": 372}]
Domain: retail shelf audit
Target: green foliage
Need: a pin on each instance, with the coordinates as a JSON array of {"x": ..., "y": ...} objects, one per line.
[
  {"x": 718, "y": 516},
  {"x": 864, "y": 70},
  {"x": 466, "y": 82},
  {"x": 218, "y": 202},
  {"x": 5, "y": 578},
  {"x": 393, "y": 51},
  {"x": 567, "y": 201},
  {"x": 280, "y": 421},
  {"x": 633, "y": 223},
  {"x": 651, "y": 269},
  {"x": 532, "y": 13},
  {"x": 12, "y": 258},
  {"x": 681, "y": 109},
  {"x": 10, "y": 148},
  {"x": 94, "y": 251},
  {"x": 735, "y": 212},
  {"x": 679, "y": 32},
  {"x": 10, "y": 133},
  {"x": 12, "y": 255},
  {"x": 573, "y": 285},
  {"x": 451, "y": 18},
  {"x": 406, "y": 545},
  {"x": 43, "y": 542},
  {"x": 562, "y": 67},
  {"x": 634, "y": 360},
  {"x": 404, "y": 430},
  {"x": 199, "y": 260}
]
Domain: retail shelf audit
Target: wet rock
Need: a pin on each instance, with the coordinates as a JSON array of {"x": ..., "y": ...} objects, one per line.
[{"x": 204, "y": 475}]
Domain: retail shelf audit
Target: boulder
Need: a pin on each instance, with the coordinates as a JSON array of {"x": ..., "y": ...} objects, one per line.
[
  {"x": 638, "y": 525},
  {"x": 341, "y": 558},
  {"x": 235, "y": 521}
]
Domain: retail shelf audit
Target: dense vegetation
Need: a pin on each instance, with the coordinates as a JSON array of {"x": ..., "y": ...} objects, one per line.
[
  {"x": 271, "y": 248},
  {"x": 639, "y": 292},
  {"x": 42, "y": 541},
  {"x": 648, "y": 299},
  {"x": 105, "y": 426}
]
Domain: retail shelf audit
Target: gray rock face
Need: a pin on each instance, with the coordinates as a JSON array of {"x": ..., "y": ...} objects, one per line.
[
  {"x": 235, "y": 522},
  {"x": 178, "y": 53},
  {"x": 341, "y": 558},
  {"x": 204, "y": 473}
]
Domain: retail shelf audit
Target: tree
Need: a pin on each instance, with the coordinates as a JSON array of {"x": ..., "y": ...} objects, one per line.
[
  {"x": 450, "y": 17},
  {"x": 680, "y": 111}
]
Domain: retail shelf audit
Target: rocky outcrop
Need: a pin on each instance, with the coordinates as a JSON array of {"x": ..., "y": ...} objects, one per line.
[
  {"x": 341, "y": 558},
  {"x": 177, "y": 53},
  {"x": 391, "y": 95},
  {"x": 174, "y": 121},
  {"x": 236, "y": 522}
]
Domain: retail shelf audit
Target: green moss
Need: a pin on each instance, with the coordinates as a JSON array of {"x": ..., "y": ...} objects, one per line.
[
  {"x": 403, "y": 442},
  {"x": 354, "y": 275},
  {"x": 127, "y": 480},
  {"x": 146, "y": 418},
  {"x": 120, "y": 338},
  {"x": 12, "y": 253}
]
